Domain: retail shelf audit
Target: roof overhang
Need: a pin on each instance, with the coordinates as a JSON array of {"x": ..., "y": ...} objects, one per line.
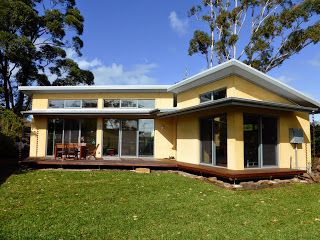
[
  {"x": 92, "y": 112},
  {"x": 236, "y": 68},
  {"x": 29, "y": 90},
  {"x": 225, "y": 102},
  {"x": 229, "y": 68}
]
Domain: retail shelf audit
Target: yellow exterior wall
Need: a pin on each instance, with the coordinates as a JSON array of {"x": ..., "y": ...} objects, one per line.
[
  {"x": 99, "y": 137},
  {"x": 245, "y": 89},
  {"x": 164, "y": 138},
  {"x": 38, "y": 137},
  {"x": 191, "y": 97},
  {"x": 162, "y": 100},
  {"x": 188, "y": 143},
  {"x": 188, "y": 137},
  {"x": 236, "y": 87},
  {"x": 287, "y": 150}
]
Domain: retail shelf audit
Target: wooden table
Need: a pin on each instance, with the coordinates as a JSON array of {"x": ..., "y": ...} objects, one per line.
[{"x": 61, "y": 148}]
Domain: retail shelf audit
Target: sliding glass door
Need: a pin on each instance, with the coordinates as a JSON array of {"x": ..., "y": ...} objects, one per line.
[
  {"x": 206, "y": 137},
  {"x": 260, "y": 141},
  {"x": 70, "y": 131},
  {"x": 146, "y": 137},
  {"x": 213, "y": 137},
  {"x": 55, "y": 134},
  {"x": 111, "y": 133},
  {"x": 128, "y": 137}
]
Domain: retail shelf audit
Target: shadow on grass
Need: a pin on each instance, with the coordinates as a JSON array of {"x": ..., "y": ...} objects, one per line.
[{"x": 9, "y": 167}]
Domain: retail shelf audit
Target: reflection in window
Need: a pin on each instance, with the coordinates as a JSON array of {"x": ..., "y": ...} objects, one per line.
[
  {"x": 213, "y": 136},
  {"x": 88, "y": 131},
  {"x": 72, "y": 103},
  {"x": 111, "y": 131},
  {"x": 56, "y": 103},
  {"x": 90, "y": 103},
  {"x": 128, "y": 103},
  {"x": 111, "y": 103},
  {"x": 214, "y": 95},
  {"x": 146, "y": 103},
  {"x": 146, "y": 136}
]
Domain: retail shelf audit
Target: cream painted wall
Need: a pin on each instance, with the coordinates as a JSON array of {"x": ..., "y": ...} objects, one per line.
[
  {"x": 236, "y": 87},
  {"x": 164, "y": 138},
  {"x": 99, "y": 137},
  {"x": 162, "y": 100},
  {"x": 38, "y": 137},
  {"x": 287, "y": 150},
  {"x": 188, "y": 143},
  {"x": 188, "y": 136},
  {"x": 191, "y": 97}
]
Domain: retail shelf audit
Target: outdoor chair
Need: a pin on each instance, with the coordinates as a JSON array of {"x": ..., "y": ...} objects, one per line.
[
  {"x": 71, "y": 151},
  {"x": 91, "y": 152}
]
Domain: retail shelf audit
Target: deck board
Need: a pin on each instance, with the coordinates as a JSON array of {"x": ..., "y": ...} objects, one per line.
[{"x": 168, "y": 164}]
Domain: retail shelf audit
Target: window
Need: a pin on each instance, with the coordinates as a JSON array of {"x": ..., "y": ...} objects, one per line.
[
  {"x": 92, "y": 103},
  {"x": 72, "y": 104},
  {"x": 147, "y": 103},
  {"x": 56, "y": 103},
  {"x": 128, "y": 103},
  {"x": 214, "y": 95},
  {"x": 87, "y": 103},
  {"x": 111, "y": 103},
  {"x": 206, "y": 97}
]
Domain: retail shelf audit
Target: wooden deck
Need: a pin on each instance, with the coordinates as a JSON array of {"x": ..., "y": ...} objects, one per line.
[
  {"x": 257, "y": 173},
  {"x": 132, "y": 163}
]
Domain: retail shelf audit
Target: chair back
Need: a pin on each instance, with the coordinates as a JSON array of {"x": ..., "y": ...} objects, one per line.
[{"x": 95, "y": 150}]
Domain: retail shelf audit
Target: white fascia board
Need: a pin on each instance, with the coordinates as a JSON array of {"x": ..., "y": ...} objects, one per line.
[
  {"x": 73, "y": 111},
  {"x": 29, "y": 90}
]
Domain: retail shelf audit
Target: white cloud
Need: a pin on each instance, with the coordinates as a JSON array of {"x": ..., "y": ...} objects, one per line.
[
  {"x": 285, "y": 79},
  {"x": 178, "y": 25},
  {"x": 115, "y": 73},
  {"x": 315, "y": 62},
  {"x": 118, "y": 74}
]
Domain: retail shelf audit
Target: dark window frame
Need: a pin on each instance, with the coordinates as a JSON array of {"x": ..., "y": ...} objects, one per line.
[{"x": 212, "y": 94}]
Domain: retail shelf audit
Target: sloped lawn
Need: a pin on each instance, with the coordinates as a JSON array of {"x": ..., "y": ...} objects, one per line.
[{"x": 127, "y": 205}]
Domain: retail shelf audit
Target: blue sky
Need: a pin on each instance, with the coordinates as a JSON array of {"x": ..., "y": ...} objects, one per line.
[{"x": 146, "y": 42}]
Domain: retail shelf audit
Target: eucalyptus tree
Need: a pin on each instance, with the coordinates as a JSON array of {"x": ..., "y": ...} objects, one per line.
[
  {"x": 261, "y": 33},
  {"x": 34, "y": 36}
]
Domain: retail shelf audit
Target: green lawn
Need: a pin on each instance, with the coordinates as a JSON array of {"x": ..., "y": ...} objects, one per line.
[{"x": 127, "y": 205}]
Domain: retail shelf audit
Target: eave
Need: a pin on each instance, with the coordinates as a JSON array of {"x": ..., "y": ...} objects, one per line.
[{"x": 232, "y": 101}]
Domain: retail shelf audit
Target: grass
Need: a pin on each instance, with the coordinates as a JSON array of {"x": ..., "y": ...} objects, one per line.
[{"x": 127, "y": 205}]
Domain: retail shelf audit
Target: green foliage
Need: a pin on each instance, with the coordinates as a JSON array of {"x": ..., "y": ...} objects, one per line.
[
  {"x": 126, "y": 205},
  {"x": 11, "y": 125},
  {"x": 315, "y": 137},
  {"x": 200, "y": 43},
  {"x": 274, "y": 29},
  {"x": 33, "y": 39}
]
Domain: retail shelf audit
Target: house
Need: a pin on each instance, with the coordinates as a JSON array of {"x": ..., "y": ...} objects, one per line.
[{"x": 231, "y": 117}]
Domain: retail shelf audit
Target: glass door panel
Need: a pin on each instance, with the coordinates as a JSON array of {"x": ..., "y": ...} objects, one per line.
[
  {"x": 71, "y": 130},
  {"x": 220, "y": 140},
  {"x": 129, "y": 137},
  {"x": 88, "y": 131},
  {"x": 111, "y": 133},
  {"x": 251, "y": 140},
  {"x": 55, "y": 132},
  {"x": 146, "y": 137},
  {"x": 269, "y": 141},
  {"x": 206, "y": 140}
]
